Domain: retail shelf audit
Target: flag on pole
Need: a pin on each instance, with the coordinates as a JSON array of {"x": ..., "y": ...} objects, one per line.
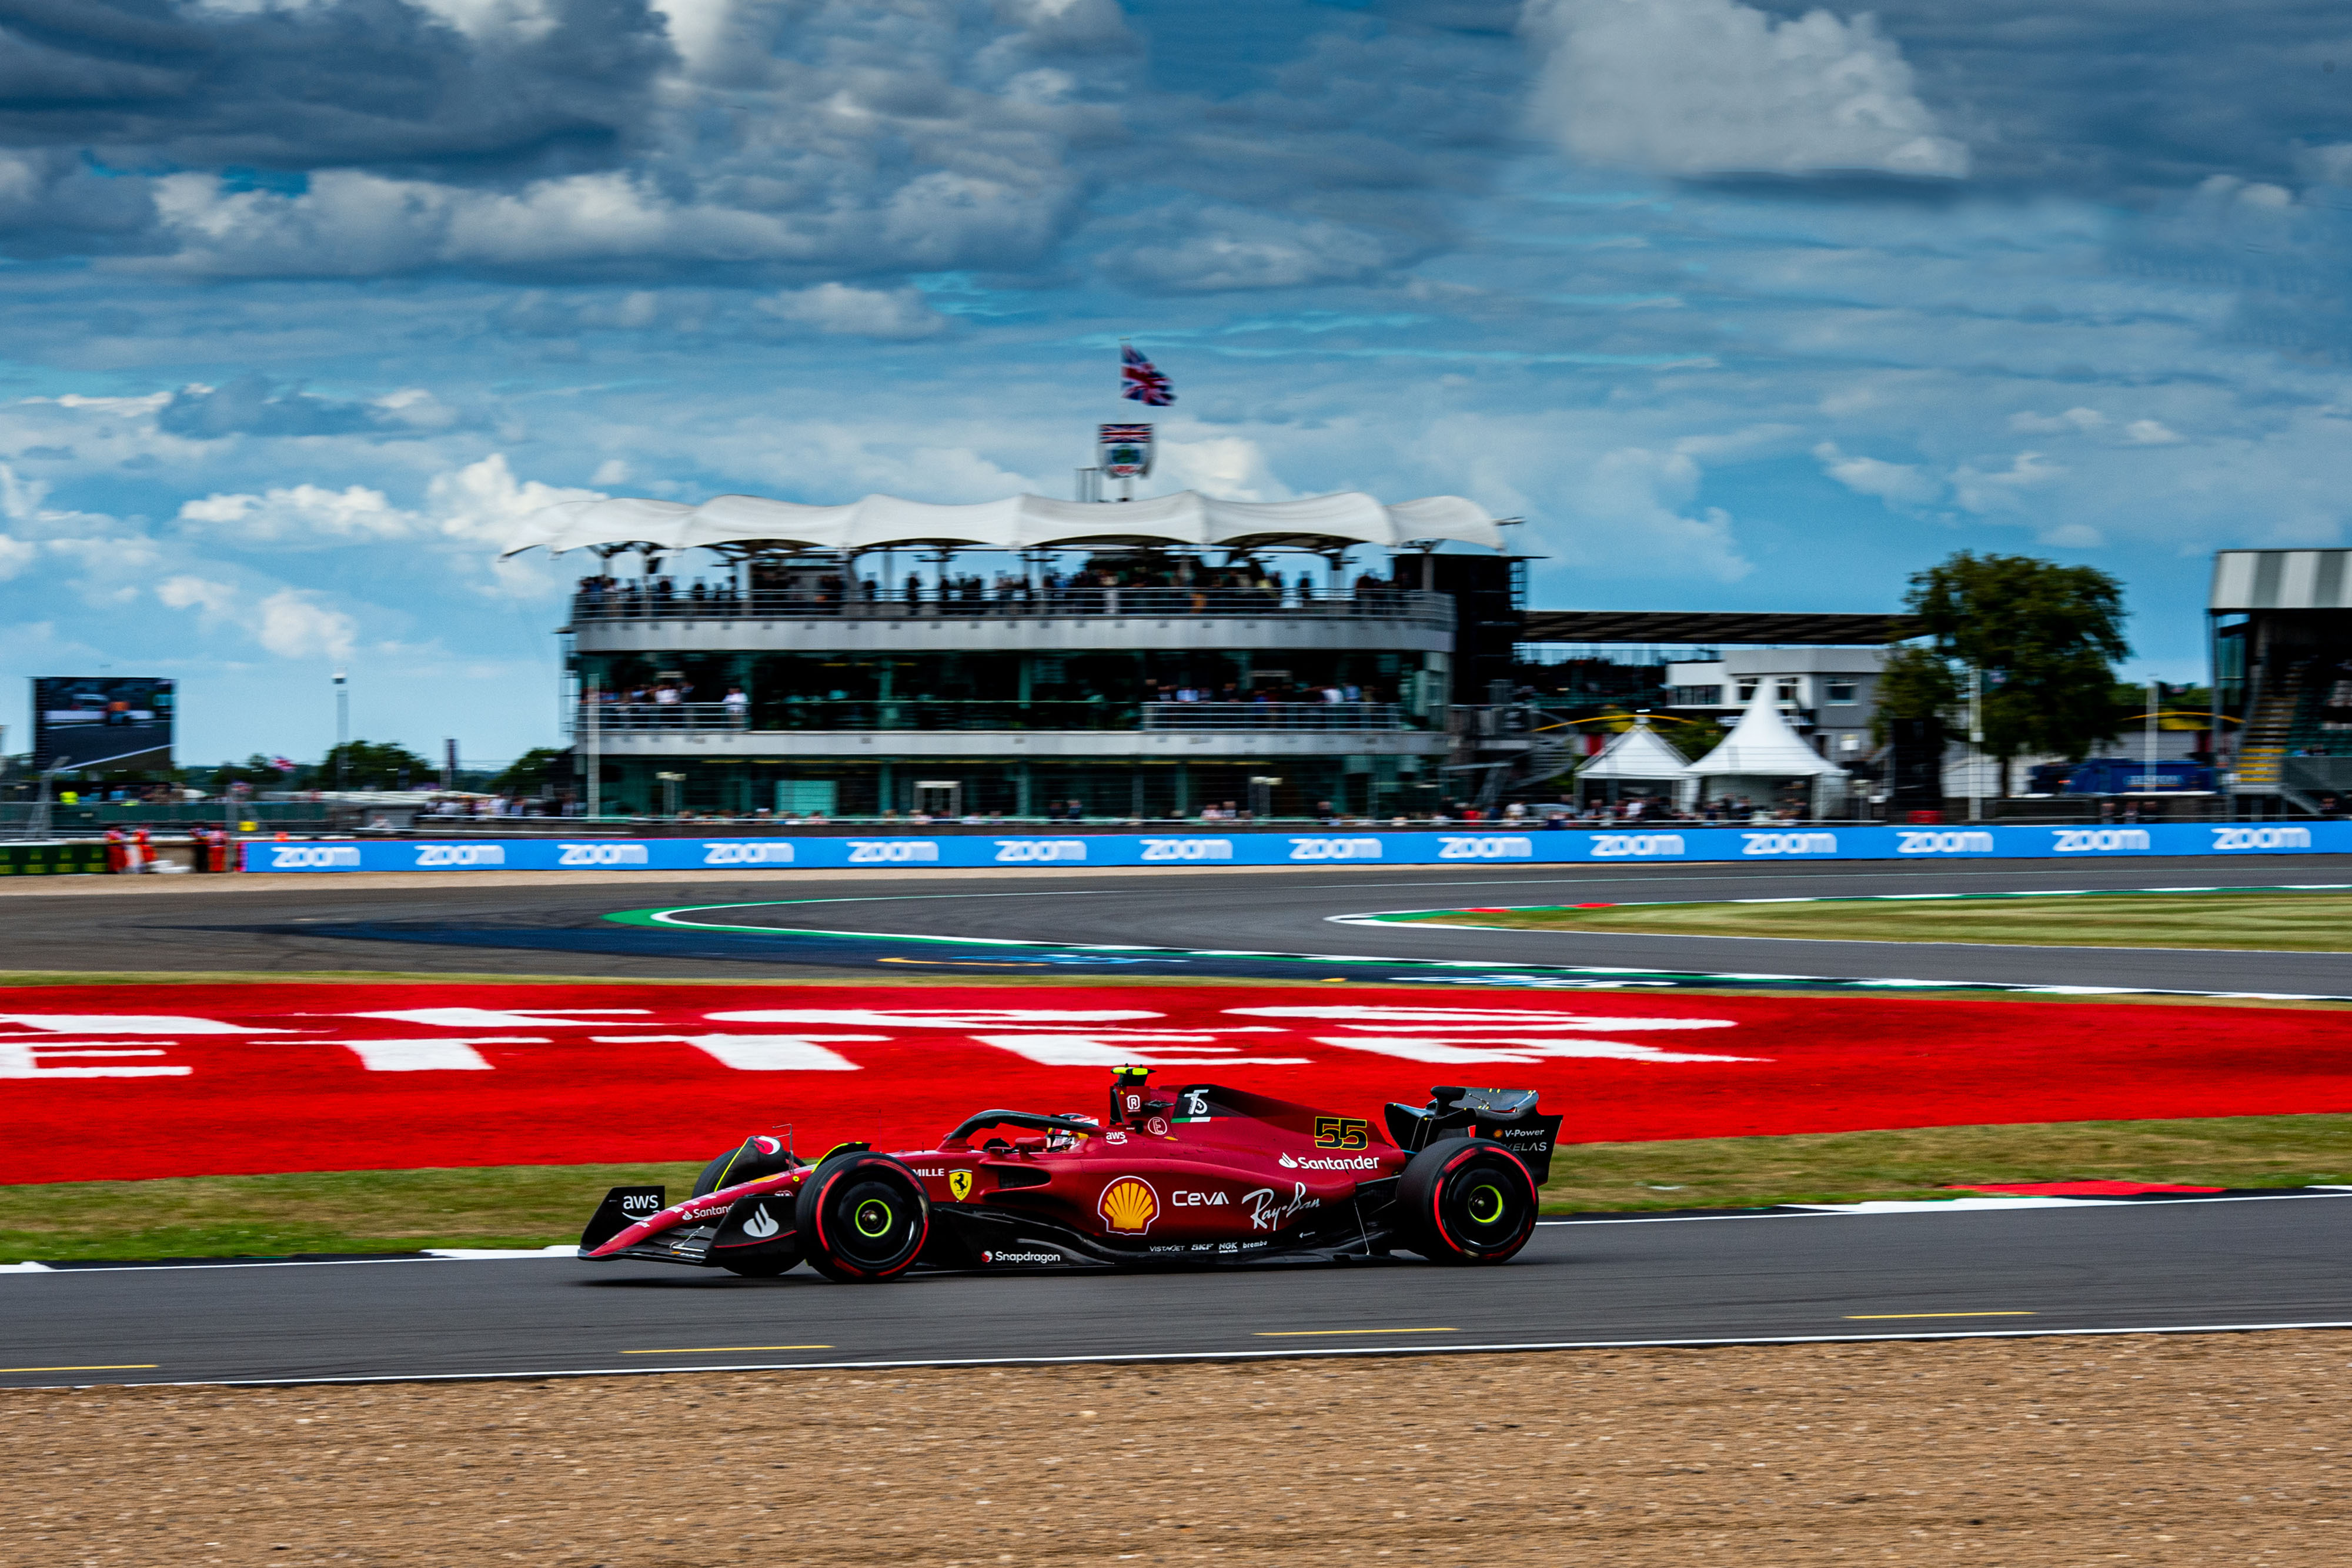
[{"x": 1139, "y": 380}]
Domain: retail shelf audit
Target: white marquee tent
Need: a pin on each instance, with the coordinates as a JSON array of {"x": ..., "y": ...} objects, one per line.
[
  {"x": 1764, "y": 750},
  {"x": 1019, "y": 522},
  {"x": 1639, "y": 755}
]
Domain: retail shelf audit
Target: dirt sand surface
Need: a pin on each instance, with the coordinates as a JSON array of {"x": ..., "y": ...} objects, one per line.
[{"x": 2195, "y": 1450}]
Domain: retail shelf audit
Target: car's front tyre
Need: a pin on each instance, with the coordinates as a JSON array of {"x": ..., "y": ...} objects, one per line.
[
  {"x": 863, "y": 1217},
  {"x": 1466, "y": 1200}
]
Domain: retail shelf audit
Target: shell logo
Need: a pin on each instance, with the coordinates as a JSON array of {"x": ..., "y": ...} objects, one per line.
[{"x": 1128, "y": 1204}]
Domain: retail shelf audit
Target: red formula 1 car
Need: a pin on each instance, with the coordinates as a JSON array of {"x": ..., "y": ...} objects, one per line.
[{"x": 1211, "y": 1176}]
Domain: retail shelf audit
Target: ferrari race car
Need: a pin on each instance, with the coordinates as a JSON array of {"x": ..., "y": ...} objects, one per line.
[{"x": 1210, "y": 1175}]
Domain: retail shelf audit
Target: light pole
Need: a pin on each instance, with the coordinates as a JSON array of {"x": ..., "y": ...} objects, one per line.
[
  {"x": 593, "y": 749},
  {"x": 1976, "y": 744},
  {"x": 343, "y": 724}
]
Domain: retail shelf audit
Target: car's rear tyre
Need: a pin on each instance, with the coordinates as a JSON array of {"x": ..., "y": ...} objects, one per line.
[
  {"x": 1466, "y": 1200},
  {"x": 863, "y": 1217}
]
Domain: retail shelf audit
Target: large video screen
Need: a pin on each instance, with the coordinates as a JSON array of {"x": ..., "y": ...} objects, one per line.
[{"x": 101, "y": 722}]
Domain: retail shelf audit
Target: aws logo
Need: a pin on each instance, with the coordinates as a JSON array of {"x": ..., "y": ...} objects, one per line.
[{"x": 1130, "y": 1206}]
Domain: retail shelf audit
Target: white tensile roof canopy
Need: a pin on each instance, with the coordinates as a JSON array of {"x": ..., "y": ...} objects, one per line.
[
  {"x": 1762, "y": 746},
  {"x": 1640, "y": 752},
  {"x": 1019, "y": 522}
]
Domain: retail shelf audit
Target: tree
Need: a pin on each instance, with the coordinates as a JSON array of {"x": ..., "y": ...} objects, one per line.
[
  {"x": 527, "y": 774},
  {"x": 371, "y": 765},
  {"x": 2043, "y": 637}
]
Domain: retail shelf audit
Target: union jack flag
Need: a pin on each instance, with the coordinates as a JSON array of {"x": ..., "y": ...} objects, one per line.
[{"x": 1140, "y": 381}]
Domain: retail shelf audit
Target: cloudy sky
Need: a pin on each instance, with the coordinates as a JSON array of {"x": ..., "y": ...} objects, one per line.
[{"x": 1742, "y": 307}]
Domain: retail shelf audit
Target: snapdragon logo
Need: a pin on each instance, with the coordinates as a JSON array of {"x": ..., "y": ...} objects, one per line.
[
  {"x": 767, "y": 852},
  {"x": 1335, "y": 849},
  {"x": 1790, "y": 843},
  {"x": 891, "y": 851},
  {"x": 313, "y": 857},
  {"x": 1607, "y": 845},
  {"x": 601, "y": 855},
  {"x": 444, "y": 857},
  {"x": 1484, "y": 847},
  {"x": 2097, "y": 840},
  {"x": 1187, "y": 850},
  {"x": 1917, "y": 841},
  {"x": 2262, "y": 838},
  {"x": 1032, "y": 852}
]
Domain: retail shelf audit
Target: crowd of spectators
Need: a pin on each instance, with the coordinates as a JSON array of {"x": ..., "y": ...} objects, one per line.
[{"x": 1153, "y": 584}]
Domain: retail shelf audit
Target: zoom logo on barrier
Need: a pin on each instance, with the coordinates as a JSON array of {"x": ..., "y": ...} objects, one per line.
[
  {"x": 601, "y": 855},
  {"x": 1928, "y": 841},
  {"x": 313, "y": 857},
  {"x": 1032, "y": 851},
  {"x": 891, "y": 851},
  {"x": 458, "y": 857},
  {"x": 1484, "y": 847},
  {"x": 2262, "y": 838},
  {"x": 1606, "y": 846},
  {"x": 1335, "y": 849},
  {"x": 2097, "y": 840},
  {"x": 1789, "y": 843},
  {"x": 1187, "y": 850},
  {"x": 765, "y": 853}
]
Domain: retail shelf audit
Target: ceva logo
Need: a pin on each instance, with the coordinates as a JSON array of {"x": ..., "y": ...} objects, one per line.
[
  {"x": 891, "y": 851},
  {"x": 448, "y": 857},
  {"x": 1790, "y": 843},
  {"x": 1187, "y": 850},
  {"x": 314, "y": 857},
  {"x": 1032, "y": 851},
  {"x": 1335, "y": 849},
  {"x": 1484, "y": 847},
  {"x": 1606, "y": 845},
  {"x": 1926, "y": 842}
]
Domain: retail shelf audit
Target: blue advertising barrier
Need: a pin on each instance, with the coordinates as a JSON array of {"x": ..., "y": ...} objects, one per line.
[{"x": 1676, "y": 843}]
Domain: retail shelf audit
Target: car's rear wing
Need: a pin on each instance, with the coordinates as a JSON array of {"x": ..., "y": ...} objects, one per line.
[{"x": 1509, "y": 1116}]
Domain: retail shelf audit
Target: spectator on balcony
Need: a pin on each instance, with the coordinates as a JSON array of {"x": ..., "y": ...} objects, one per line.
[{"x": 738, "y": 706}]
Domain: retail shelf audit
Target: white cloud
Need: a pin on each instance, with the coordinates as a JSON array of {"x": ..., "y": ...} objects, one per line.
[
  {"x": 16, "y": 555},
  {"x": 294, "y": 624},
  {"x": 1229, "y": 467},
  {"x": 213, "y": 599},
  {"x": 483, "y": 504},
  {"x": 1711, "y": 87},
  {"x": 2151, "y": 433},
  {"x": 1638, "y": 499},
  {"x": 837, "y": 308},
  {"x": 301, "y": 514},
  {"x": 1897, "y": 484},
  {"x": 2075, "y": 420},
  {"x": 2001, "y": 492}
]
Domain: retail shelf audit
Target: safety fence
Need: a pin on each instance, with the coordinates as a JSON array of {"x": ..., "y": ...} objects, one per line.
[{"x": 1684, "y": 844}]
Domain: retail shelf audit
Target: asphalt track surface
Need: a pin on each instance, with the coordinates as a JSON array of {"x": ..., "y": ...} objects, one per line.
[
  {"x": 2226, "y": 1263},
  {"x": 556, "y": 927},
  {"x": 2232, "y": 1263}
]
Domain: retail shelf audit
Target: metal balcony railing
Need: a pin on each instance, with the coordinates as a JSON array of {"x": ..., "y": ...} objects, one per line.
[
  {"x": 1252, "y": 715},
  {"x": 634, "y": 603},
  {"x": 951, "y": 714}
]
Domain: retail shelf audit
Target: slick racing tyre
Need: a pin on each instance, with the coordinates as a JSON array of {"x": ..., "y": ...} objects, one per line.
[
  {"x": 863, "y": 1217},
  {"x": 758, "y": 1155},
  {"x": 1466, "y": 1200}
]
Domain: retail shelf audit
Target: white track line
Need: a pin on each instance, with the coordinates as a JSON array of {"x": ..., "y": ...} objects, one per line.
[{"x": 1514, "y": 1348}]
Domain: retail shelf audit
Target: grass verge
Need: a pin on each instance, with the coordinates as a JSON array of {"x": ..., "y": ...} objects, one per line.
[
  {"x": 2261, "y": 920},
  {"x": 533, "y": 1206}
]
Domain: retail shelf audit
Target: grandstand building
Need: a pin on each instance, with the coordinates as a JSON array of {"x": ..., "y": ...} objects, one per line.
[
  {"x": 2282, "y": 652},
  {"x": 1029, "y": 657}
]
